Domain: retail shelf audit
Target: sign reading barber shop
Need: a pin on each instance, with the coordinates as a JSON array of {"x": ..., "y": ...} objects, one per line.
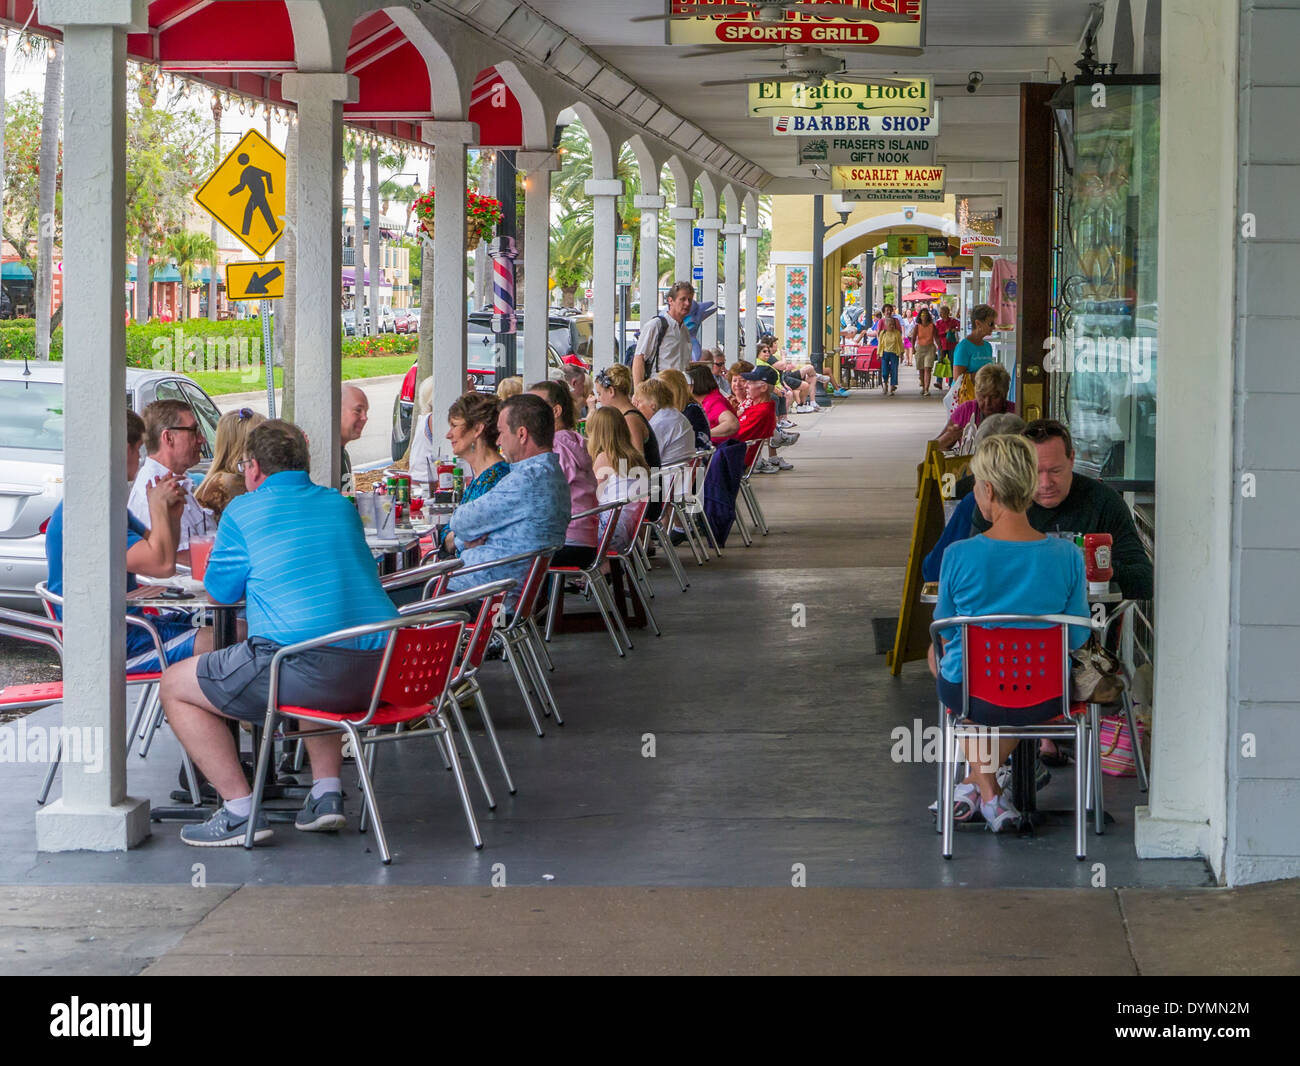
[
  {"x": 819, "y": 125},
  {"x": 849, "y": 24},
  {"x": 909, "y": 96}
]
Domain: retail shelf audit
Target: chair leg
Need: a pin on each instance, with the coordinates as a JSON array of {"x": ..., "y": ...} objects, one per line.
[
  {"x": 598, "y": 593},
  {"x": 514, "y": 664},
  {"x": 191, "y": 780},
  {"x": 541, "y": 686},
  {"x": 946, "y": 799},
  {"x": 671, "y": 552},
  {"x": 459, "y": 718},
  {"x": 557, "y": 591},
  {"x": 490, "y": 729},
  {"x": 154, "y": 723},
  {"x": 259, "y": 777},
  {"x": 643, "y": 568},
  {"x": 938, "y": 788},
  {"x": 55, "y": 759},
  {"x": 1144, "y": 782},
  {"x": 146, "y": 692},
  {"x": 1094, "y": 776},
  {"x": 740, "y": 525},
  {"x": 708, "y": 532},
  {"x": 1081, "y": 750},
  {"x": 539, "y": 645},
  {"x": 369, "y": 754},
  {"x": 640, "y": 586},
  {"x": 368, "y": 789},
  {"x": 607, "y": 591}
]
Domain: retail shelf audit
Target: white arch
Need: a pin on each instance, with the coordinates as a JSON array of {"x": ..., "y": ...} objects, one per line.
[
  {"x": 883, "y": 222},
  {"x": 602, "y": 149},
  {"x": 537, "y": 133},
  {"x": 751, "y": 208},
  {"x": 683, "y": 186},
  {"x": 446, "y": 96},
  {"x": 731, "y": 201},
  {"x": 646, "y": 163},
  {"x": 709, "y": 192}
]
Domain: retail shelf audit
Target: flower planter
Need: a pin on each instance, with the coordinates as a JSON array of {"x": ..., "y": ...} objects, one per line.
[{"x": 482, "y": 216}]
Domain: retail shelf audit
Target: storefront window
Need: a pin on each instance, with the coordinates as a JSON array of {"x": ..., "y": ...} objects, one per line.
[{"x": 1107, "y": 300}]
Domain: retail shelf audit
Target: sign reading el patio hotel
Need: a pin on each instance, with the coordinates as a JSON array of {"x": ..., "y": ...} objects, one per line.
[
  {"x": 913, "y": 96},
  {"x": 799, "y": 27}
]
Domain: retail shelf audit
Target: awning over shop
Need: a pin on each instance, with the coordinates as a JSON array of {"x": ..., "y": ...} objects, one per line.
[
  {"x": 917, "y": 297},
  {"x": 15, "y": 271},
  {"x": 350, "y": 277},
  {"x": 164, "y": 274},
  {"x": 933, "y": 285}
]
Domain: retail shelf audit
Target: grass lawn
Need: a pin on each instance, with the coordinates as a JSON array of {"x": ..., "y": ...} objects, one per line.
[{"x": 219, "y": 383}]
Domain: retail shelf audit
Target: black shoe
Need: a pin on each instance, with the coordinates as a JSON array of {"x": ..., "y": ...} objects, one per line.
[{"x": 677, "y": 537}]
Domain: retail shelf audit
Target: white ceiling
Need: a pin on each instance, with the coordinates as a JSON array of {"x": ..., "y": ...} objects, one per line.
[{"x": 1009, "y": 41}]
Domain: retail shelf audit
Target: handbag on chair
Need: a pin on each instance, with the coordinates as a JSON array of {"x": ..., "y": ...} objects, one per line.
[
  {"x": 1117, "y": 757},
  {"x": 1095, "y": 675}
]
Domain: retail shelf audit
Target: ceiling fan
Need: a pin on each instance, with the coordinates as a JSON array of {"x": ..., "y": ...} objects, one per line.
[
  {"x": 812, "y": 67},
  {"x": 765, "y": 11}
]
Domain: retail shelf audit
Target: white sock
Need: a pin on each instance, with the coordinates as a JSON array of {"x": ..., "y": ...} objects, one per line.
[
  {"x": 326, "y": 784},
  {"x": 241, "y": 807}
]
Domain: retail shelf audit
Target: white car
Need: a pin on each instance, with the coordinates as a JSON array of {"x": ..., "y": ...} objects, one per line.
[{"x": 31, "y": 459}]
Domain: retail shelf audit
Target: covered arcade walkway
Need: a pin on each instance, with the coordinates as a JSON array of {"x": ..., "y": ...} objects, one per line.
[{"x": 772, "y": 741}]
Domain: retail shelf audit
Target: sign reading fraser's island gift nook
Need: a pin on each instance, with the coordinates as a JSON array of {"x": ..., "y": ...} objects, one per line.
[
  {"x": 897, "y": 150},
  {"x": 912, "y": 96}
]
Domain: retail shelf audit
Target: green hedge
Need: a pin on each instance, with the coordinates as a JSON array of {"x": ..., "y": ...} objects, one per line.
[{"x": 144, "y": 343}]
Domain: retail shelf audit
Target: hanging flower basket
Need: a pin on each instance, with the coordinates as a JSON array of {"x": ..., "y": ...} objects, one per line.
[
  {"x": 482, "y": 216},
  {"x": 851, "y": 278}
]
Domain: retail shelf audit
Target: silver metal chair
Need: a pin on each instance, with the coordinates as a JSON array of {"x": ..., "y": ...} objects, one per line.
[
  {"x": 593, "y": 580},
  {"x": 418, "y": 663},
  {"x": 1033, "y": 669}
]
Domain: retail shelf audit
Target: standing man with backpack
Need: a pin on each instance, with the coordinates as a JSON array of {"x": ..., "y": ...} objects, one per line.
[{"x": 665, "y": 342}]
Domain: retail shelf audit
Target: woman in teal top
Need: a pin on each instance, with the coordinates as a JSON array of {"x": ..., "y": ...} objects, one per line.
[
  {"x": 472, "y": 431},
  {"x": 974, "y": 351},
  {"x": 1010, "y": 569}
]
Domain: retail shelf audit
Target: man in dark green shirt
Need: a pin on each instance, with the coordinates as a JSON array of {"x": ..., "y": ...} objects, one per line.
[{"x": 1071, "y": 503}]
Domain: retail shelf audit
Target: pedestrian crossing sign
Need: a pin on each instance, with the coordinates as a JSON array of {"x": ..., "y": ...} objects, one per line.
[{"x": 246, "y": 193}]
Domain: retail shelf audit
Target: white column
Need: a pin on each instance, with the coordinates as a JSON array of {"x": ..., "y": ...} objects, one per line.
[
  {"x": 708, "y": 288},
  {"x": 649, "y": 206},
  {"x": 317, "y": 341},
  {"x": 450, "y": 356},
  {"x": 604, "y": 194},
  {"x": 1187, "y": 806},
  {"x": 684, "y": 217},
  {"x": 537, "y": 257},
  {"x": 95, "y": 813},
  {"x": 752, "y": 234},
  {"x": 731, "y": 285}
]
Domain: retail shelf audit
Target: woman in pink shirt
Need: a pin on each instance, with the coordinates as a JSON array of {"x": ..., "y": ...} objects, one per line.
[
  {"x": 723, "y": 422},
  {"x": 569, "y": 447}
]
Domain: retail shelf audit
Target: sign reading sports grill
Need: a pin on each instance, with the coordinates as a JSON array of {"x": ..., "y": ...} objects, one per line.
[
  {"x": 815, "y": 125},
  {"x": 824, "y": 28},
  {"x": 898, "y": 150},
  {"x": 912, "y": 96}
]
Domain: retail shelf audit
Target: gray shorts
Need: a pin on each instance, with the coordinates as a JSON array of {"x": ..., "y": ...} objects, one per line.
[{"x": 236, "y": 680}]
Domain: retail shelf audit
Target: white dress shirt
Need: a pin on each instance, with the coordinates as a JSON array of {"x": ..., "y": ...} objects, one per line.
[{"x": 194, "y": 519}]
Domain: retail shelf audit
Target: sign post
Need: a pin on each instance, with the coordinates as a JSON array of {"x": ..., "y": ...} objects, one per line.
[
  {"x": 623, "y": 278},
  {"x": 246, "y": 195}
]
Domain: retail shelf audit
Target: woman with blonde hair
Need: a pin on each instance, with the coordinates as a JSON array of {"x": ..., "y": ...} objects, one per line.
[
  {"x": 672, "y": 429},
  {"x": 684, "y": 400},
  {"x": 620, "y": 467},
  {"x": 613, "y": 388},
  {"x": 992, "y": 383},
  {"x": 1009, "y": 569},
  {"x": 510, "y": 387},
  {"x": 224, "y": 481}
]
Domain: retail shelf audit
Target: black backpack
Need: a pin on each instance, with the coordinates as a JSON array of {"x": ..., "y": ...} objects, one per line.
[{"x": 651, "y": 356}]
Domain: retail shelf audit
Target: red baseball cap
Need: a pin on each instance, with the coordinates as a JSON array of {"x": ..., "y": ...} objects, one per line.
[{"x": 574, "y": 360}]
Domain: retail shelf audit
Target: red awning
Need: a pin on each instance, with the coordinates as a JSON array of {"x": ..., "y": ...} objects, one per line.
[{"x": 932, "y": 285}]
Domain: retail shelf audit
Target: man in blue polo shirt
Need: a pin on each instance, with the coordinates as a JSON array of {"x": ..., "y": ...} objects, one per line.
[{"x": 295, "y": 552}]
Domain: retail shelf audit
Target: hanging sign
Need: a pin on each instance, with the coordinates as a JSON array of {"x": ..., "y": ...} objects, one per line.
[
  {"x": 892, "y": 183},
  {"x": 246, "y": 193},
  {"x": 915, "y": 245},
  {"x": 900, "y": 24},
  {"x": 977, "y": 240},
  {"x": 913, "y": 96},
  {"x": 820, "y": 125},
  {"x": 895, "y": 150}
]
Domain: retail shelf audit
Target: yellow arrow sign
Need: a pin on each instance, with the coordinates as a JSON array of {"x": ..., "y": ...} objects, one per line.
[
  {"x": 255, "y": 281},
  {"x": 246, "y": 192}
]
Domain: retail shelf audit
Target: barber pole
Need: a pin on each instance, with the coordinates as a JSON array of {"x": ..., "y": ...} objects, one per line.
[{"x": 503, "y": 253}]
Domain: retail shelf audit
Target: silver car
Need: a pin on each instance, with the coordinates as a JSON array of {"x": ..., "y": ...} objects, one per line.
[{"x": 31, "y": 459}]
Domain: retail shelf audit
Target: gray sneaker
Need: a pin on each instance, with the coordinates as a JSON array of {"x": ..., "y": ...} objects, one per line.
[
  {"x": 321, "y": 815},
  {"x": 224, "y": 830}
]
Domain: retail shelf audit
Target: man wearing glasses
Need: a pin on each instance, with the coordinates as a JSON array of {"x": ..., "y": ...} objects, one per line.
[{"x": 174, "y": 442}]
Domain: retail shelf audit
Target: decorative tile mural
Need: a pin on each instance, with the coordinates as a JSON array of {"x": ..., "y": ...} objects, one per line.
[{"x": 796, "y": 310}]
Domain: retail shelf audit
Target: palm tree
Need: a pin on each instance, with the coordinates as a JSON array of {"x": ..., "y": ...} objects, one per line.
[{"x": 187, "y": 250}]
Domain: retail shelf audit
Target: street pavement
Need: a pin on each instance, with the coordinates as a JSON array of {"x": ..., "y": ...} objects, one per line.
[{"x": 375, "y": 445}]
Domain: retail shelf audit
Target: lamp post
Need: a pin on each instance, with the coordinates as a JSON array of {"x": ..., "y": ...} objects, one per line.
[{"x": 817, "y": 298}]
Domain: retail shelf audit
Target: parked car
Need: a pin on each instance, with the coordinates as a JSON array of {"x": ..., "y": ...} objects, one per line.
[
  {"x": 349, "y": 323},
  {"x": 385, "y": 319},
  {"x": 404, "y": 321},
  {"x": 482, "y": 359},
  {"x": 31, "y": 459}
]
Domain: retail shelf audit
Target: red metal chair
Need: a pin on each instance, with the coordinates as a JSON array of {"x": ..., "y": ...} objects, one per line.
[
  {"x": 593, "y": 579},
  {"x": 419, "y": 659},
  {"x": 491, "y": 599},
  {"x": 630, "y": 559},
  {"x": 1008, "y": 667}
]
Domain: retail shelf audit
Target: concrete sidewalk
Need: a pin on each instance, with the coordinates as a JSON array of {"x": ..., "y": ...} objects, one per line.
[{"x": 291, "y": 931}]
